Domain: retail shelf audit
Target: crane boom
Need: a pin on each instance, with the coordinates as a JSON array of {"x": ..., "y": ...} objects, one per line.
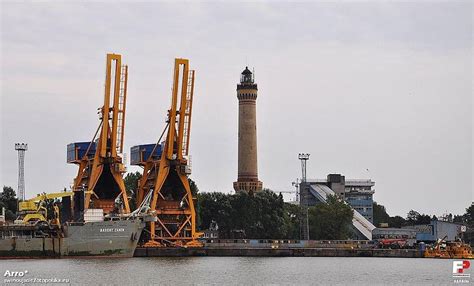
[
  {"x": 50, "y": 196},
  {"x": 100, "y": 163},
  {"x": 166, "y": 170}
]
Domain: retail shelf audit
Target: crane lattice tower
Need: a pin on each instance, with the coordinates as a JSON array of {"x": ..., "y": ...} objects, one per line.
[{"x": 21, "y": 148}]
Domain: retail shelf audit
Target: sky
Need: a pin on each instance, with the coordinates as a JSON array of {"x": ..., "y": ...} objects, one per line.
[{"x": 372, "y": 90}]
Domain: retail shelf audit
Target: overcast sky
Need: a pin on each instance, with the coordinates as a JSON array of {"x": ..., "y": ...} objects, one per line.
[{"x": 370, "y": 90}]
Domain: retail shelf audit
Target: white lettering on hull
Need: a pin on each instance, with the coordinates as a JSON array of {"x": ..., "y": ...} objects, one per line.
[{"x": 112, "y": 230}]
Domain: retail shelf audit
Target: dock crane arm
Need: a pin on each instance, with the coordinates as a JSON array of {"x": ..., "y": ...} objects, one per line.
[
  {"x": 165, "y": 170},
  {"x": 101, "y": 166}
]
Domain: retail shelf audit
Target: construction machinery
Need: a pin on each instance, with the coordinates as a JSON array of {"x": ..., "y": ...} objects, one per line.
[
  {"x": 449, "y": 250},
  {"x": 34, "y": 211},
  {"x": 166, "y": 168},
  {"x": 100, "y": 174}
]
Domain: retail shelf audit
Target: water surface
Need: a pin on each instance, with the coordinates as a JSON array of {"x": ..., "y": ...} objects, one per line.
[{"x": 238, "y": 270}]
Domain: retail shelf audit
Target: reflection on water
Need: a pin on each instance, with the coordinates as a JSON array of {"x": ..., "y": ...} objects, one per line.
[{"x": 239, "y": 270}]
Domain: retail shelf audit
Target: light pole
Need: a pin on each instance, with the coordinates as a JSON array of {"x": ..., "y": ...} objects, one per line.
[
  {"x": 21, "y": 148},
  {"x": 304, "y": 226}
]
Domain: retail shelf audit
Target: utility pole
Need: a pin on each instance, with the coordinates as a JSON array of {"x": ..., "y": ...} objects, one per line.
[
  {"x": 21, "y": 148},
  {"x": 304, "y": 225}
]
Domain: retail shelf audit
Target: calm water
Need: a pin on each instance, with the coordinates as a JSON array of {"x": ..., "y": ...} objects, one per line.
[{"x": 239, "y": 270}]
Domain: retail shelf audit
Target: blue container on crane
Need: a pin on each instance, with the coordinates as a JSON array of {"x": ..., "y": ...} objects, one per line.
[
  {"x": 141, "y": 153},
  {"x": 77, "y": 150}
]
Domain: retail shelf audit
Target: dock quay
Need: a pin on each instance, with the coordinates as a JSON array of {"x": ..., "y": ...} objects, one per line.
[
  {"x": 279, "y": 248},
  {"x": 276, "y": 252}
]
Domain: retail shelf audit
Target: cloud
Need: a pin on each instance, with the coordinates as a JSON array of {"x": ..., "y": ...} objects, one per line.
[{"x": 383, "y": 86}]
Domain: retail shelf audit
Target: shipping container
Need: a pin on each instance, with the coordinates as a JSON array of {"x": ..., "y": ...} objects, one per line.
[
  {"x": 76, "y": 151},
  {"x": 139, "y": 154}
]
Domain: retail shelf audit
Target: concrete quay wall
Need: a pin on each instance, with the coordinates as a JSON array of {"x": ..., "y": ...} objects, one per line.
[{"x": 275, "y": 252}]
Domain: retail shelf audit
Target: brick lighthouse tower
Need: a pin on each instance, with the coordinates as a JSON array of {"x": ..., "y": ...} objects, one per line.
[{"x": 247, "y": 179}]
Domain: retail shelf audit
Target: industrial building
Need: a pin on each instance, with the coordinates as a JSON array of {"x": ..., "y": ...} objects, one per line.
[
  {"x": 438, "y": 229},
  {"x": 247, "y": 177},
  {"x": 358, "y": 193}
]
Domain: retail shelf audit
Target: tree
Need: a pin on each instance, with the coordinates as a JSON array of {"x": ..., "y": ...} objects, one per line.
[
  {"x": 214, "y": 206},
  {"x": 469, "y": 215},
  {"x": 131, "y": 182},
  {"x": 291, "y": 220},
  {"x": 131, "y": 186},
  {"x": 258, "y": 215},
  {"x": 458, "y": 219},
  {"x": 330, "y": 220},
  {"x": 269, "y": 215},
  {"x": 9, "y": 201},
  {"x": 193, "y": 186},
  {"x": 397, "y": 221},
  {"x": 380, "y": 214},
  {"x": 414, "y": 217},
  {"x": 423, "y": 219}
]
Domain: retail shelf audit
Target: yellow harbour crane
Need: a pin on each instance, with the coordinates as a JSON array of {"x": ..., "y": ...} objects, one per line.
[
  {"x": 100, "y": 175},
  {"x": 166, "y": 169},
  {"x": 34, "y": 210}
]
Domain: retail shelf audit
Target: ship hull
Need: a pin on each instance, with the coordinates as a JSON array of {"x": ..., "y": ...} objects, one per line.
[{"x": 105, "y": 238}]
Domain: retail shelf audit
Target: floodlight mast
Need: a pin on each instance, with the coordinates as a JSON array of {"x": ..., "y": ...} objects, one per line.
[
  {"x": 304, "y": 189},
  {"x": 21, "y": 148}
]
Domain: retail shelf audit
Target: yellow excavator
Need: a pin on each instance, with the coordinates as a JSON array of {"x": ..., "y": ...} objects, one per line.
[{"x": 34, "y": 210}]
